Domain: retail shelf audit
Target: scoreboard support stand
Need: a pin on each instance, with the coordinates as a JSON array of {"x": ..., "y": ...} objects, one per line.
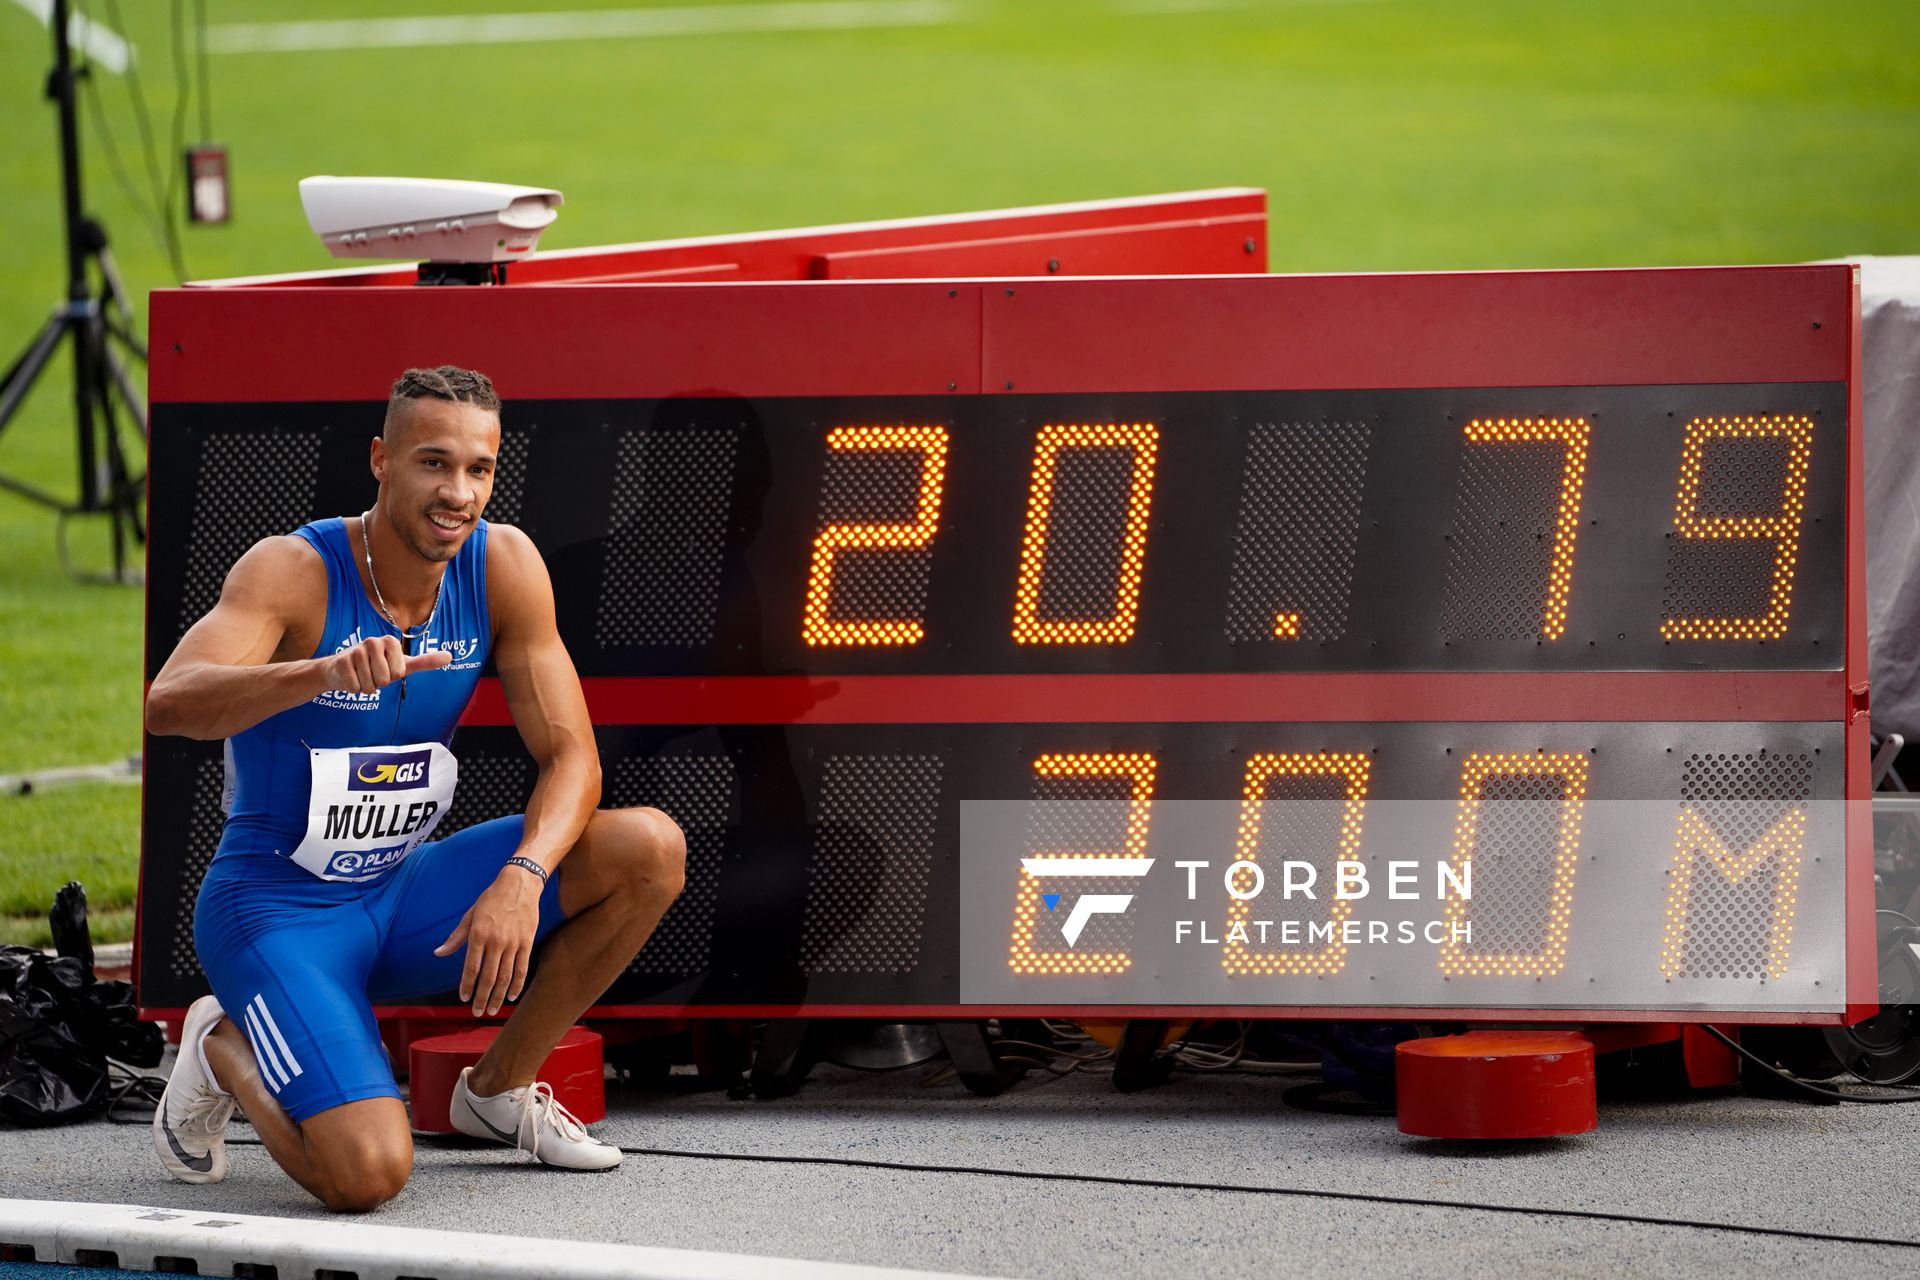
[
  {"x": 790, "y": 1047},
  {"x": 974, "y": 1061},
  {"x": 785, "y": 1056},
  {"x": 722, "y": 1052},
  {"x": 1139, "y": 1063},
  {"x": 1496, "y": 1085}
]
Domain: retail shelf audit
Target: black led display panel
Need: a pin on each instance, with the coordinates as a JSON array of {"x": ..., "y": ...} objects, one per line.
[
  {"x": 882, "y": 864},
  {"x": 1557, "y": 529}
]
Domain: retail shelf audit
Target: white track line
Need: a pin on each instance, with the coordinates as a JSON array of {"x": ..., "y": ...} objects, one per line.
[
  {"x": 102, "y": 44},
  {"x": 138, "y": 1237},
  {"x": 601, "y": 24}
]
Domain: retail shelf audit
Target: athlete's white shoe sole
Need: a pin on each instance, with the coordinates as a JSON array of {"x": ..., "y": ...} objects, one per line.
[{"x": 188, "y": 1080}]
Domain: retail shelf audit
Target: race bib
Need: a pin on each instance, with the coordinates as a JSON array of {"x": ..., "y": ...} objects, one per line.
[{"x": 372, "y": 806}]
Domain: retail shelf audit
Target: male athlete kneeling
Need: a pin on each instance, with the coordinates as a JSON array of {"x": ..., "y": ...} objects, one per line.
[{"x": 336, "y": 664}]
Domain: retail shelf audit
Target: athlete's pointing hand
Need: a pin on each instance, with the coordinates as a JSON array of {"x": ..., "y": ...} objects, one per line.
[
  {"x": 498, "y": 932},
  {"x": 375, "y": 663}
]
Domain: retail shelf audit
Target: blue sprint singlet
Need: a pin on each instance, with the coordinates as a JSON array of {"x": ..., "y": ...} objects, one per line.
[
  {"x": 327, "y": 896},
  {"x": 349, "y": 784}
]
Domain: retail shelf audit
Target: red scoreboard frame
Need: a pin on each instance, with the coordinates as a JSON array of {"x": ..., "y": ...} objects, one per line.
[{"x": 664, "y": 322}]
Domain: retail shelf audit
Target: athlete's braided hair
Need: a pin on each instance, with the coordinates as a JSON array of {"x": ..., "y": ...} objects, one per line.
[{"x": 448, "y": 382}]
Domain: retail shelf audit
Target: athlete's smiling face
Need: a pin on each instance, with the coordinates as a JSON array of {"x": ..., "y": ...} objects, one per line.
[{"x": 435, "y": 465}]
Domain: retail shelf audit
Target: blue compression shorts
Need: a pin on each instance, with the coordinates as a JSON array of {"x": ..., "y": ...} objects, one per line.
[{"x": 298, "y": 962}]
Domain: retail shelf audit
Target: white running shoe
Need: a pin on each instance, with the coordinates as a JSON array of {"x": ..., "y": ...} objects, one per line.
[
  {"x": 190, "y": 1124},
  {"x": 532, "y": 1119}
]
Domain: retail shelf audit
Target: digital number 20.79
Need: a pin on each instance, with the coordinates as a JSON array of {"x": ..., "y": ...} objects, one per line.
[{"x": 1139, "y": 443}]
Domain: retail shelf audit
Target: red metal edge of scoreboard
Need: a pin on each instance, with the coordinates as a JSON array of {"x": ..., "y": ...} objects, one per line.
[
  {"x": 1861, "y": 953},
  {"x": 938, "y": 1012},
  {"x": 1220, "y": 229},
  {"x": 1671, "y": 326},
  {"x": 1338, "y": 697}
]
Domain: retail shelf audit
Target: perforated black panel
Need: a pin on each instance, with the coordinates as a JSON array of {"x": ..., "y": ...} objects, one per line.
[
  {"x": 1302, "y": 818},
  {"x": 868, "y": 487},
  {"x": 873, "y": 858},
  {"x": 1727, "y": 577},
  {"x": 1500, "y": 544},
  {"x": 1514, "y": 860},
  {"x": 666, "y": 534},
  {"x": 1298, "y": 527},
  {"x": 1716, "y": 579},
  {"x": 1086, "y": 816},
  {"x": 491, "y": 786},
  {"x": 701, "y": 794},
  {"x": 1742, "y": 477},
  {"x": 1088, "y": 534},
  {"x": 250, "y": 486},
  {"x": 1732, "y": 917},
  {"x": 509, "y": 478}
]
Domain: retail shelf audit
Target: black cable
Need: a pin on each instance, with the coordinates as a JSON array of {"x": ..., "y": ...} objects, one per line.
[
  {"x": 206, "y": 81},
  {"x": 133, "y": 1088},
  {"x": 1911, "y": 1095},
  {"x": 138, "y": 95},
  {"x": 103, "y": 130},
  {"x": 1300, "y": 1193},
  {"x": 182, "y": 100},
  {"x": 1171, "y": 1184}
]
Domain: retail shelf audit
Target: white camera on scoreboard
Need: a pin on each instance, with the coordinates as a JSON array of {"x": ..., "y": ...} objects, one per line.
[{"x": 433, "y": 218}]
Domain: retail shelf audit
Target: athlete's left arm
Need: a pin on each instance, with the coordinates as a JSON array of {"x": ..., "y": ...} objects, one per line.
[{"x": 543, "y": 694}]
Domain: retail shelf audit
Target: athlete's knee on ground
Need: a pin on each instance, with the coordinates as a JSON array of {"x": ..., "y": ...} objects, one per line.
[{"x": 362, "y": 1173}]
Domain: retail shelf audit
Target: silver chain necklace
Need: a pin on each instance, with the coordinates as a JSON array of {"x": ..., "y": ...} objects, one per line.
[{"x": 366, "y": 543}]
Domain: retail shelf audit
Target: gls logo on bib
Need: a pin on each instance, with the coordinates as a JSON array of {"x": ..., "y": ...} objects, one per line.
[{"x": 384, "y": 771}]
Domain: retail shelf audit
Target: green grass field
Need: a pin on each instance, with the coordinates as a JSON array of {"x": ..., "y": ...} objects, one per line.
[{"x": 1390, "y": 136}]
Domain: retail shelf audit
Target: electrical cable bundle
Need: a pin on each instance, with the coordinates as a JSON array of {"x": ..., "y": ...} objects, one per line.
[{"x": 156, "y": 205}]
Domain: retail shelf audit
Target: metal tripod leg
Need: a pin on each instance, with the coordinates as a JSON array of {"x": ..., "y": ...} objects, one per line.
[
  {"x": 129, "y": 394},
  {"x": 27, "y": 368},
  {"x": 124, "y": 490},
  {"x": 117, "y": 500},
  {"x": 119, "y": 316},
  {"x": 20, "y": 378}
]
